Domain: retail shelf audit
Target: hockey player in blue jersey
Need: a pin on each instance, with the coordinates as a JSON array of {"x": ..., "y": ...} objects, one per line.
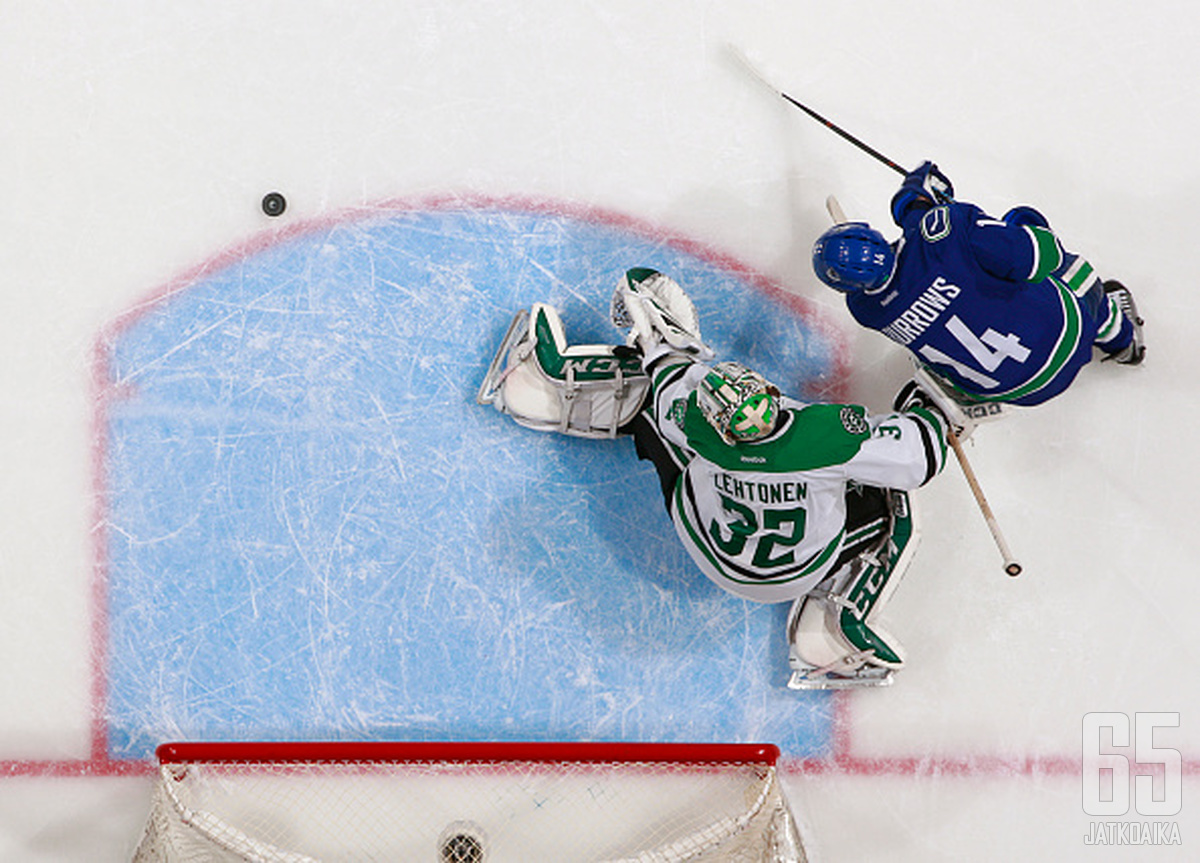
[{"x": 997, "y": 308}]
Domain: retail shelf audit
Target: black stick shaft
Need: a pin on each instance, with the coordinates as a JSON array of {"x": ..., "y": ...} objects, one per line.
[
  {"x": 838, "y": 130},
  {"x": 833, "y": 127}
]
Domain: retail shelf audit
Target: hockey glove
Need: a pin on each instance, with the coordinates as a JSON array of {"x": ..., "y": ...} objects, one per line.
[
  {"x": 923, "y": 392},
  {"x": 925, "y": 187},
  {"x": 912, "y": 396}
]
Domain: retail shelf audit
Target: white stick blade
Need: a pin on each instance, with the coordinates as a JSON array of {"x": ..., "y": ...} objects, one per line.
[
  {"x": 745, "y": 62},
  {"x": 835, "y": 210}
]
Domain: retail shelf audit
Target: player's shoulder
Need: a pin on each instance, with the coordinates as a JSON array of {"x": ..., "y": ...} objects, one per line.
[
  {"x": 938, "y": 224},
  {"x": 831, "y": 420},
  {"x": 818, "y": 435},
  {"x": 808, "y": 437}
]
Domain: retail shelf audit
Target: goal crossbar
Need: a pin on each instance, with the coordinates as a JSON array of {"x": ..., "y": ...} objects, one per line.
[
  {"x": 299, "y": 802},
  {"x": 597, "y": 752}
]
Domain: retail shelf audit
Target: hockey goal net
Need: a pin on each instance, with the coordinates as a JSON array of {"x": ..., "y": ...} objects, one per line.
[{"x": 469, "y": 803}]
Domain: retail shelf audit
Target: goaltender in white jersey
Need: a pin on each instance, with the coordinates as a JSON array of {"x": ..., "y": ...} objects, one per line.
[
  {"x": 765, "y": 517},
  {"x": 775, "y": 499}
]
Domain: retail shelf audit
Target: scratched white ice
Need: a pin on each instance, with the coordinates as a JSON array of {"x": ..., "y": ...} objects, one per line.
[{"x": 142, "y": 140}]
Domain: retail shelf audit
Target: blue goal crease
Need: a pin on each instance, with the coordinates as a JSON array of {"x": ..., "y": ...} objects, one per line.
[{"x": 316, "y": 533}]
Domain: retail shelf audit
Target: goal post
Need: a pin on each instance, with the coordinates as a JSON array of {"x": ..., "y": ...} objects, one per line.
[{"x": 469, "y": 802}]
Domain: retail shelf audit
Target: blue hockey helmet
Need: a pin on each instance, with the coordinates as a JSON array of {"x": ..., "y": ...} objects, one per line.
[{"x": 853, "y": 256}]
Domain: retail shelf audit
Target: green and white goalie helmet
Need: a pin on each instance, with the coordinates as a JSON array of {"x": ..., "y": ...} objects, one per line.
[{"x": 738, "y": 402}]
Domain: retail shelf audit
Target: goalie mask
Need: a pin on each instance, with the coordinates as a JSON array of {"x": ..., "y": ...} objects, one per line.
[{"x": 738, "y": 402}]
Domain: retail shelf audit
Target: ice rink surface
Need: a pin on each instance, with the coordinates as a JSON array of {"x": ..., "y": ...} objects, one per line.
[{"x": 239, "y": 448}]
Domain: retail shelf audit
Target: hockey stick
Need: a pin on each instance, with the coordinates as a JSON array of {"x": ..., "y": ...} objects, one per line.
[
  {"x": 835, "y": 211},
  {"x": 833, "y": 127},
  {"x": 1011, "y": 566}
]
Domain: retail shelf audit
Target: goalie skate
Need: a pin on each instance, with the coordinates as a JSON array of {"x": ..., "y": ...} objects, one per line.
[
  {"x": 862, "y": 677},
  {"x": 590, "y": 391}
]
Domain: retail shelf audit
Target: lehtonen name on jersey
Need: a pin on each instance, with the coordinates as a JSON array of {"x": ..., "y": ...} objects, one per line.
[{"x": 760, "y": 492}]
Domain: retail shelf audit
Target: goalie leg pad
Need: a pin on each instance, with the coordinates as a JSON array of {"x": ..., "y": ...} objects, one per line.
[
  {"x": 834, "y": 638},
  {"x": 590, "y": 391}
]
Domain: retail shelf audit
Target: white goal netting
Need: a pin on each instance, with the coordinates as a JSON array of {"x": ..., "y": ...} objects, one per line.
[{"x": 469, "y": 803}]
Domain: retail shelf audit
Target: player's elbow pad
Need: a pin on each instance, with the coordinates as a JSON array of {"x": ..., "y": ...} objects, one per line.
[{"x": 1024, "y": 216}]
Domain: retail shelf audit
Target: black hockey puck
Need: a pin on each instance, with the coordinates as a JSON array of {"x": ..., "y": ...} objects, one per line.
[{"x": 273, "y": 204}]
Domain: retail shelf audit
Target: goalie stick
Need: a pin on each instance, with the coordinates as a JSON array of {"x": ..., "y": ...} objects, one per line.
[{"x": 1011, "y": 566}]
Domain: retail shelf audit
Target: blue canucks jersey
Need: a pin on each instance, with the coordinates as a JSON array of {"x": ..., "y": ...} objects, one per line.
[{"x": 1000, "y": 310}]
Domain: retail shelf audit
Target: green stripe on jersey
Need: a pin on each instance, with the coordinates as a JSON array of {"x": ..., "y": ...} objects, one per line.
[
  {"x": 665, "y": 369},
  {"x": 1079, "y": 277},
  {"x": 939, "y": 428},
  {"x": 1112, "y": 323},
  {"x": 1064, "y": 349},
  {"x": 813, "y": 437},
  {"x": 1049, "y": 253}
]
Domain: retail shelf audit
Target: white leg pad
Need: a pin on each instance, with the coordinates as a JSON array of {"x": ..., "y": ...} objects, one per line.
[
  {"x": 834, "y": 636},
  {"x": 545, "y": 384}
]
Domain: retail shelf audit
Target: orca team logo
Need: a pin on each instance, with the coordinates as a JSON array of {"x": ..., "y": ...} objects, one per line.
[
  {"x": 935, "y": 225},
  {"x": 1116, "y": 751}
]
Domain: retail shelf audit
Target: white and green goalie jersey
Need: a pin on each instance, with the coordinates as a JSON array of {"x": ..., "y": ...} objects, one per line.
[{"x": 766, "y": 519}]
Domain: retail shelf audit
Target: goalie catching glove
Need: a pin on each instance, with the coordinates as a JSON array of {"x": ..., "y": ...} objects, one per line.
[{"x": 660, "y": 317}]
